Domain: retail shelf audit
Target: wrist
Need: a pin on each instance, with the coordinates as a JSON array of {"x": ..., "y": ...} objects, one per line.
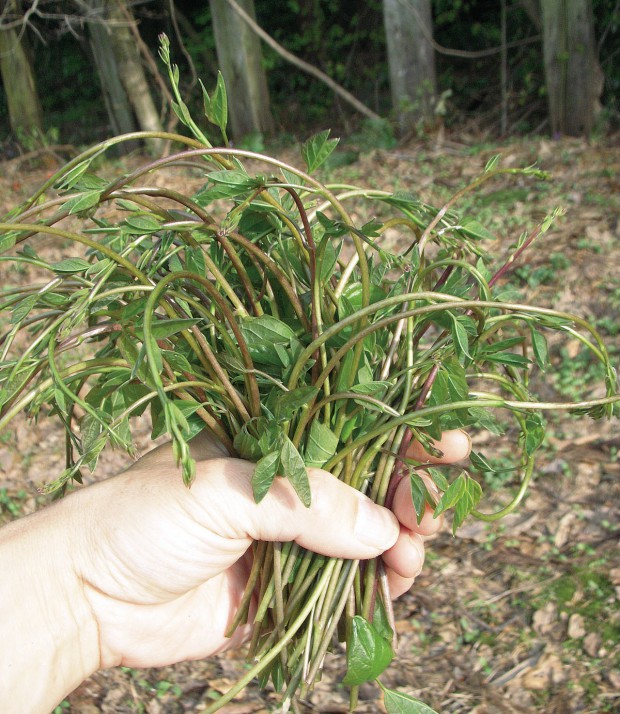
[{"x": 50, "y": 640}]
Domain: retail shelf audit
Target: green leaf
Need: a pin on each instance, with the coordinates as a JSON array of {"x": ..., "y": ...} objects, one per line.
[
  {"x": 400, "y": 703},
  {"x": 232, "y": 177},
  {"x": 216, "y": 106},
  {"x": 177, "y": 361},
  {"x": 474, "y": 229},
  {"x": 317, "y": 149},
  {"x": 60, "y": 399},
  {"x": 180, "y": 410},
  {"x": 141, "y": 223},
  {"x": 181, "y": 110},
  {"x": 71, "y": 265},
  {"x": 274, "y": 672},
  {"x": 83, "y": 202},
  {"x": 374, "y": 388},
  {"x": 368, "y": 653},
  {"x": 160, "y": 329},
  {"x": 294, "y": 469},
  {"x": 332, "y": 228},
  {"x": 321, "y": 445},
  {"x": 534, "y": 433},
  {"x": 8, "y": 240},
  {"x": 509, "y": 358},
  {"x": 486, "y": 420},
  {"x": 353, "y": 294},
  {"x": 492, "y": 163},
  {"x": 264, "y": 474},
  {"x": 555, "y": 322},
  {"x": 502, "y": 345},
  {"x": 91, "y": 457},
  {"x": 450, "y": 384},
  {"x": 72, "y": 176},
  {"x": 438, "y": 477},
  {"x": 261, "y": 334},
  {"x": 328, "y": 254},
  {"x": 271, "y": 435},
  {"x": 452, "y": 495},
  {"x": 419, "y": 495},
  {"x": 195, "y": 260},
  {"x": 90, "y": 182},
  {"x": 174, "y": 264},
  {"x": 23, "y": 308},
  {"x": 283, "y": 354},
  {"x": 287, "y": 403},
  {"x": 479, "y": 462},
  {"x": 381, "y": 621},
  {"x": 470, "y": 498},
  {"x": 90, "y": 429},
  {"x": 350, "y": 425},
  {"x": 540, "y": 349},
  {"x": 134, "y": 357},
  {"x": 99, "y": 267},
  {"x": 459, "y": 335},
  {"x": 131, "y": 392},
  {"x": 247, "y": 445}
]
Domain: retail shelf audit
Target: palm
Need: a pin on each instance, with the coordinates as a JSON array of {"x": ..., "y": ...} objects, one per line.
[{"x": 174, "y": 589}]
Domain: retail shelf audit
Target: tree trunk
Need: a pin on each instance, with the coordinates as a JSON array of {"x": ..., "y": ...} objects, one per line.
[
  {"x": 411, "y": 60},
  {"x": 240, "y": 59},
  {"x": 130, "y": 67},
  {"x": 25, "y": 115},
  {"x": 114, "y": 96},
  {"x": 573, "y": 75}
]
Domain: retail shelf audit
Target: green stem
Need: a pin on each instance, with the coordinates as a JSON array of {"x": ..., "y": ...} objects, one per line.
[
  {"x": 78, "y": 238},
  {"x": 92, "y": 152},
  {"x": 269, "y": 656},
  {"x": 470, "y": 187},
  {"x": 249, "y": 375}
]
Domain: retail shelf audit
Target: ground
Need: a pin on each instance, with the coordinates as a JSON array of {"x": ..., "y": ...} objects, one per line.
[{"x": 520, "y": 617}]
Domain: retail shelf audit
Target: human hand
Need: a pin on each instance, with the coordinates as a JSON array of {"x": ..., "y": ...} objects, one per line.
[
  {"x": 166, "y": 567},
  {"x": 140, "y": 570}
]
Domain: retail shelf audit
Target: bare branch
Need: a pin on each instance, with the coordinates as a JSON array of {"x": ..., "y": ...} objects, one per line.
[
  {"x": 304, "y": 66},
  {"x": 466, "y": 54}
]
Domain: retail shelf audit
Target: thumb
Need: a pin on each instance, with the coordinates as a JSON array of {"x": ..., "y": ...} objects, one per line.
[{"x": 340, "y": 522}]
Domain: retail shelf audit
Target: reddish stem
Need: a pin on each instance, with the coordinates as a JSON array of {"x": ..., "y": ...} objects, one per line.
[
  {"x": 508, "y": 264},
  {"x": 311, "y": 246}
]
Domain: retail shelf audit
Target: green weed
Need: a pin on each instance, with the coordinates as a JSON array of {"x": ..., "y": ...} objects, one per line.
[{"x": 11, "y": 505}]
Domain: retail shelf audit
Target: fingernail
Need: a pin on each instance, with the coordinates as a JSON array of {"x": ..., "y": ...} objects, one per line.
[{"x": 375, "y": 526}]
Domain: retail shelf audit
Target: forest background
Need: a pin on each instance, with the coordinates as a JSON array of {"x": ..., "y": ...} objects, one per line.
[{"x": 75, "y": 71}]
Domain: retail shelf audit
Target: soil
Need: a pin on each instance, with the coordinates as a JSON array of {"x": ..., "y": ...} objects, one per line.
[{"x": 519, "y": 617}]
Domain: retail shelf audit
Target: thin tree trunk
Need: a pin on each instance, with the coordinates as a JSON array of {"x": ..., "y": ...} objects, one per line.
[
  {"x": 130, "y": 67},
  {"x": 114, "y": 96},
  {"x": 574, "y": 78},
  {"x": 25, "y": 115},
  {"x": 240, "y": 59},
  {"x": 411, "y": 60}
]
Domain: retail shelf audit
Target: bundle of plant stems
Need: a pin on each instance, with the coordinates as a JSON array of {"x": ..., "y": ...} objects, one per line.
[{"x": 261, "y": 311}]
